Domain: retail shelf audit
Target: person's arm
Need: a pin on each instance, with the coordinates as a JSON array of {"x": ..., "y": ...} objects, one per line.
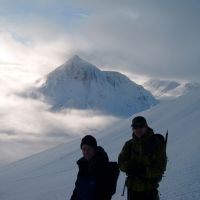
[
  {"x": 74, "y": 194},
  {"x": 124, "y": 158},
  {"x": 129, "y": 165},
  {"x": 73, "y": 197}
]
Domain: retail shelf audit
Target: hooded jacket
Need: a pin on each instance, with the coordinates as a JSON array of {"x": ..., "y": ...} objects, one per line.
[
  {"x": 144, "y": 161},
  {"x": 90, "y": 183}
]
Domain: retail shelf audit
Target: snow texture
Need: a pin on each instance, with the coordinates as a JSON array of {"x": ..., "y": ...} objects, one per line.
[{"x": 51, "y": 174}]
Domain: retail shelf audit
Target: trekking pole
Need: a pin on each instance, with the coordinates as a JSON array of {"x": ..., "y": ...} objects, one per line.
[
  {"x": 166, "y": 138},
  {"x": 124, "y": 188}
]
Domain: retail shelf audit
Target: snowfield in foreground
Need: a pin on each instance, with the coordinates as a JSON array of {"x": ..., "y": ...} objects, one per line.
[{"x": 50, "y": 175}]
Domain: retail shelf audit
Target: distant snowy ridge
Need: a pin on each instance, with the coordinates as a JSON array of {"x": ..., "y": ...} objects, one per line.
[
  {"x": 166, "y": 89},
  {"x": 81, "y": 85}
]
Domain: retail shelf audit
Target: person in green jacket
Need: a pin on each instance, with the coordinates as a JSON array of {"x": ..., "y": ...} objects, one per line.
[{"x": 143, "y": 159}]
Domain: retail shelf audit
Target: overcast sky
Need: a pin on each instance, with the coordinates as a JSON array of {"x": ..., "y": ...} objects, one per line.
[
  {"x": 152, "y": 38},
  {"x": 159, "y": 39}
]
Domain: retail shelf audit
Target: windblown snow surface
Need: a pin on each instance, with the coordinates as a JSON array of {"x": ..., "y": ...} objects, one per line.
[{"x": 50, "y": 175}]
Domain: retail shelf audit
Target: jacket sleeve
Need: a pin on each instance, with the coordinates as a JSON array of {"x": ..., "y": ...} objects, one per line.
[
  {"x": 74, "y": 194},
  {"x": 124, "y": 158},
  {"x": 73, "y": 197},
  {"x": 158, "y": 165}
]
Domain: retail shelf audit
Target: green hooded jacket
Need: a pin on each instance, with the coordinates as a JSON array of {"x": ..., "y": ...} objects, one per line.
[{"x": 144, "y": 161}]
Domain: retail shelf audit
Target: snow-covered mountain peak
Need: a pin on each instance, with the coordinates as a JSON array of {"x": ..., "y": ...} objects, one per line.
[
  {"x": 77, "y": 62},
  {"x": 77, "y": 68},
  {"x": 81, "y": 85},
  {"x": 167, "y": 89},
  {"x": 192, "y": 85}
]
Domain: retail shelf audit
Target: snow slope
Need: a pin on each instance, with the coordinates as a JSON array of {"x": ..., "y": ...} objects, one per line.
[
  {"x": 166, "y": 89},
  {"x": 81, "y": 85},
  {"x": 51, "y": 174}
]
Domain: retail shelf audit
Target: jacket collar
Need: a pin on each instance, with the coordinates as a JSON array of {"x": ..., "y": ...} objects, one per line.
[
  {"x": 149, "y": 133},
  {"x": 100, "y": 156}
]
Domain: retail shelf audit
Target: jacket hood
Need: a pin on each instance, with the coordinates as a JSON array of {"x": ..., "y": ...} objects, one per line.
[{"x": 100, "y": 156}]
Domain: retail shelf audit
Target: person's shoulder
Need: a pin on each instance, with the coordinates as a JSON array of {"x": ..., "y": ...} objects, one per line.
[
  {"x": 158, "y": 141},
  {"x": 80, "y": 161},
  {"x": 159, "y": 138},
  {"x": 101, "y": 154},
  {"x": 128, "y": 143},
  {"x": 156, "y": 137}
]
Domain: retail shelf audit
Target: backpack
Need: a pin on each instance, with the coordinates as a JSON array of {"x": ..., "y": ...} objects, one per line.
[
  {"x": 163, "y": 139},
  {"x": 112, "y": 177},
  {"x": 164, "y": 143}
]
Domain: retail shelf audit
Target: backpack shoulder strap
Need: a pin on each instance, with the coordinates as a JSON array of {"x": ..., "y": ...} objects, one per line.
[{"x": 160, "y": 137}]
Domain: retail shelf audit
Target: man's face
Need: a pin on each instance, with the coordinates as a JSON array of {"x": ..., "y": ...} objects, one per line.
[
  {"x": 88, "y": 152},
  {"x": 139, "y": 131}
]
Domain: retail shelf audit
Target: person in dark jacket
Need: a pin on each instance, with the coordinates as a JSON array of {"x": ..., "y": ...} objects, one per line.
[
  {"x": 90, "y": 183},
  {"x": 143, "y": 159}
]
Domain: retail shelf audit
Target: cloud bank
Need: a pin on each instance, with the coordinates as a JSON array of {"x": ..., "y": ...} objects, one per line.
[{"x": 156, "y": 39}]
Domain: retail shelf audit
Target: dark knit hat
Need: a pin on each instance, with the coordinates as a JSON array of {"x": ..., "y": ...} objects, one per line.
[
  {"x": 139, "y": 122},
  {"x": 89, "y": 140}
]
